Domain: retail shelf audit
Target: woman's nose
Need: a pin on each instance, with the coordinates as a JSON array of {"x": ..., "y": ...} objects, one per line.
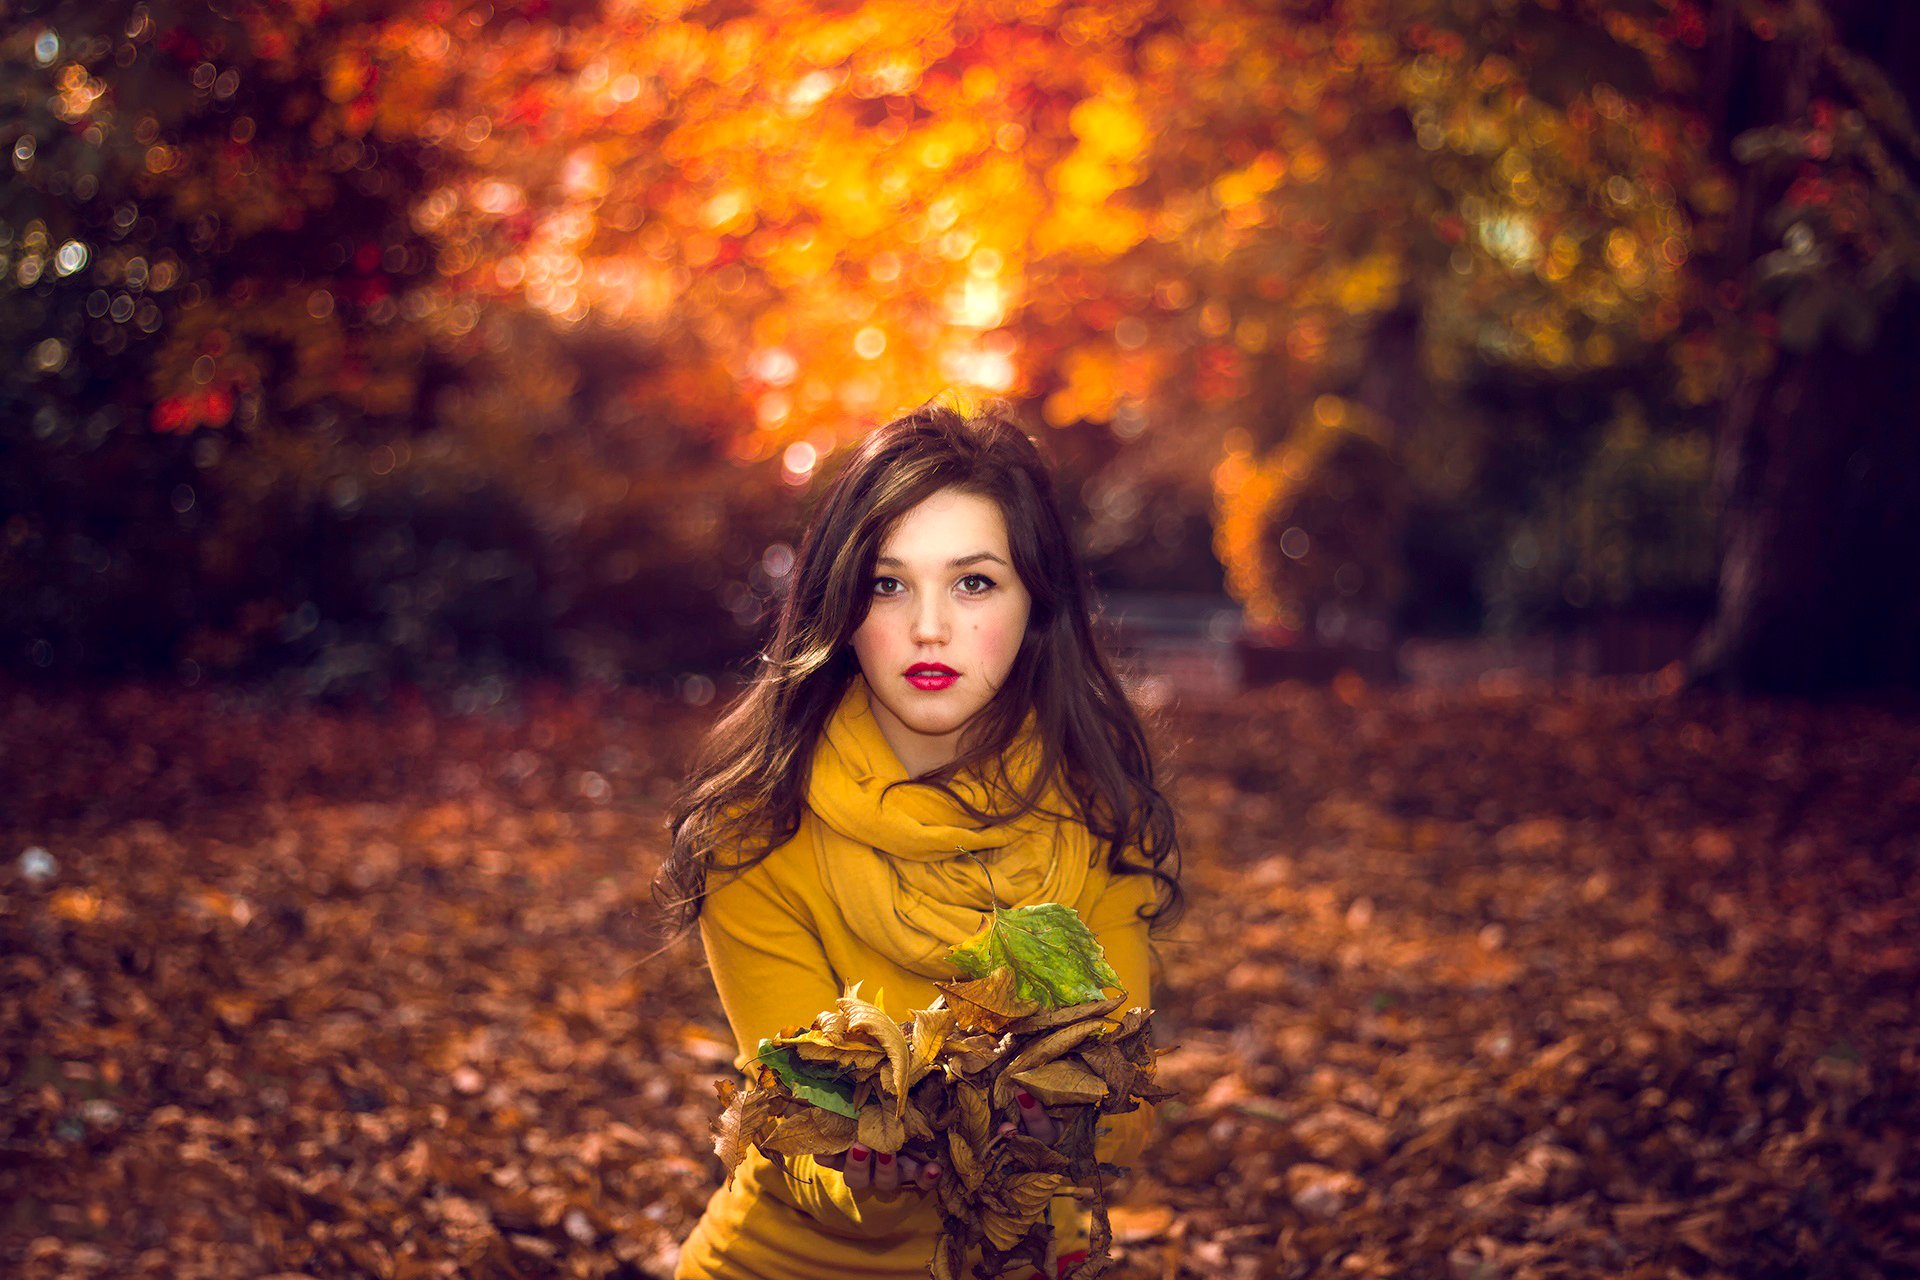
[{"x": 929, "y": 622}]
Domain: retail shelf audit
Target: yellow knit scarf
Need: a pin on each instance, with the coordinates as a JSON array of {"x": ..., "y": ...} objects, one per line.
[{"x": 898, "y": 867}]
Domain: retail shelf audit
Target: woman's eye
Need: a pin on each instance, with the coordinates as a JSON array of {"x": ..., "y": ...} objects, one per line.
[{"x": 973, "y": 584}]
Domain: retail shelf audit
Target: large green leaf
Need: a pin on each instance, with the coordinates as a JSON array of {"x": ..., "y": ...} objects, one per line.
[
  {"x": 807, "y": 1081},
  {"x": 1054, "y": 957}
]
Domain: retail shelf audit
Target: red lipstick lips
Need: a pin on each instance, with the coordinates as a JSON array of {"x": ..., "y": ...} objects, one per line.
[{"x": 930, "y": 676}]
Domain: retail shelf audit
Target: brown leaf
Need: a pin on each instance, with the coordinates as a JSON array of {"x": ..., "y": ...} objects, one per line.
[
  {"x": 1041, "y": 1051},
  {"x": 916, "y": 1123},
  {"x": 1061, "y": 1082},
  {"x": 811, "y": 1131},
  {"x": 989, "y": 1003},
  {"x": 748, "y": 1118},
  {"x": 1047, "y": 1019},
  {"x": 1110, "y": 1065}
]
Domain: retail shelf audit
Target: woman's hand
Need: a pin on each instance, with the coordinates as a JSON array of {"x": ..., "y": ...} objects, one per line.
[{"x": 916, "y": 1167}]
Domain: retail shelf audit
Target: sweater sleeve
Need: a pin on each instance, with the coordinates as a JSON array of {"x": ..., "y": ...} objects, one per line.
[
  {"x": 772, "y": 973},
  {"x": 1121, "y": 1138}
]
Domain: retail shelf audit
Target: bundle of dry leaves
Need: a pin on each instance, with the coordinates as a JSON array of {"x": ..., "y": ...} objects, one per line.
[{"x": 933, "y": 1087}]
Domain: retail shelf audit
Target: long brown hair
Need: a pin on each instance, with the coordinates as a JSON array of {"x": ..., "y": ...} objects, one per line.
[{"x": 744, "y": 795}]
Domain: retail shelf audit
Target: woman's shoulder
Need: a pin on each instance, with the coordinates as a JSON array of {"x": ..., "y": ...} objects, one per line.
[
  {"x": 788, "y": 866},
  {"x": 746, "y": 892},
  {"x": 1119, "y": 892}
]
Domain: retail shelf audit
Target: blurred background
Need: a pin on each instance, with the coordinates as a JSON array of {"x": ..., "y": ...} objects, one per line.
[
  {"x": 433, "y": 341},
  {"x": 1476, "y": 412}
]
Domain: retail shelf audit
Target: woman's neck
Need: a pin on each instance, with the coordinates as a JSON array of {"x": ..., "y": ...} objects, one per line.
[{"x": 919, "y": 753}]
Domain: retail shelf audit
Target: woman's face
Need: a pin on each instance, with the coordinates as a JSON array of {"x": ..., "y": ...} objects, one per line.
[{"x": 944, "y": 596}]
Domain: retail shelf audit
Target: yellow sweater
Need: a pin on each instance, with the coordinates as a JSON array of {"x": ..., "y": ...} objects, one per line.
[{"x": 782, "y": 948}]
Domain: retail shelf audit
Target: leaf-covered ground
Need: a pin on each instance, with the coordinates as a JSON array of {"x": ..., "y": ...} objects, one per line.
[{"x": 1501, "y": 983}]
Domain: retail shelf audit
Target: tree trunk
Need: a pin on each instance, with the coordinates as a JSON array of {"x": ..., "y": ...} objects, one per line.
[
  {"x": 1817, "y": 477},
  {"x": 1393, "y": 385},
  {"x": 1820, "y": 569}
]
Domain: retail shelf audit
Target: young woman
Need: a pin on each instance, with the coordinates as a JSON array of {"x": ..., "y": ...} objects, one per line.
[{"x": 931, "y": 732}]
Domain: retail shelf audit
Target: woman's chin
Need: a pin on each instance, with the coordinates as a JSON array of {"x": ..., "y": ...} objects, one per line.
[{"x": 929, "y": 726}]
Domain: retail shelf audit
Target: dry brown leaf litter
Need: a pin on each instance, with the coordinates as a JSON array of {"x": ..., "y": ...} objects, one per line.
[{"x": 1521, "y": 982}]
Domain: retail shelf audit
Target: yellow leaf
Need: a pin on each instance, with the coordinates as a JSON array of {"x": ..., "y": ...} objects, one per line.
[
  {"x": 850, "y": 1050},
  {"x": 946, "y": 1259},
  {"x": 965, "y": 1163},
  {"x": 974, "y": 1114},
  {"x": 885, "y": 1032},
  {"x": 931, "y": 1027},
  {"x": 1004, "y": 1231},
  {"x": 1027, "y": 1194},
  {"x": 881, "y": 1129}
]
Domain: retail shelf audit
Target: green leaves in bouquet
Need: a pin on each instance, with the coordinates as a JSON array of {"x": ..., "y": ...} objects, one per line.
[
  {"x": 1054, "y": 957},
  {"x": 808, "y": 1081}
]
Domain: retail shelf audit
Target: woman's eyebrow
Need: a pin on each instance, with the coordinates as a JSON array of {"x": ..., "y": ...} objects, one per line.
[{"x": 955, "y": 563}]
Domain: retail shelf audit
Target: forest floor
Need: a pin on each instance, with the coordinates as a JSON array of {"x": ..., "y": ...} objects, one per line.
[{"x": 1518, "y": 980}]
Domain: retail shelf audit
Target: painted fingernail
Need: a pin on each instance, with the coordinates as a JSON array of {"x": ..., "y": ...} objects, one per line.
[
  {"x": 1025, "y": 1098},
  {"x": 886, "y": 1157},
  {"x": 858, "y": 1152}
]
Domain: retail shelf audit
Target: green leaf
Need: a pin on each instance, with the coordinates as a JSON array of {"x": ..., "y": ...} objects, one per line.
[
  {"x": 1054, "y": 957},
  {"x": 808, "y": 1081}
]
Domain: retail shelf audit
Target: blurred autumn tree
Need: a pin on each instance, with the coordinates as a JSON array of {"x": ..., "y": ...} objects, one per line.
[
  {"x": 1447, "y": 290},
  {"x": 256, "y": 418},
  {"x": 1817, "y": 468}
]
